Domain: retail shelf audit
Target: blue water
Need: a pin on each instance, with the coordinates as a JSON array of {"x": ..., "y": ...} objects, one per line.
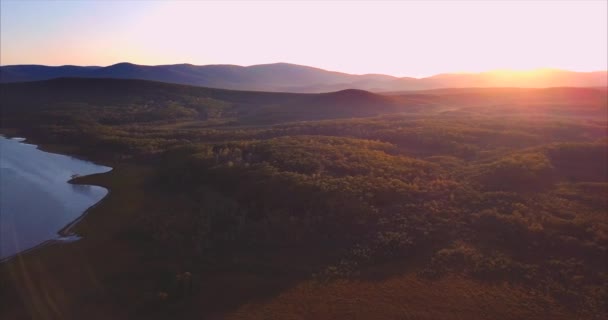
[{"x": 36, "y": 201}]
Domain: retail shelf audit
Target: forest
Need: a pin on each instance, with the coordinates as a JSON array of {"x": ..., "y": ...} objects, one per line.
[{"x": 499, "y": 186}]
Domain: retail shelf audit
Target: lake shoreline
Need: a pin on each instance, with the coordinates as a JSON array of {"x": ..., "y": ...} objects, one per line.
[
  {"x": 67, "y": 231},
  {"x": 60, "y": 149},
  {"x": 66, "y": 234}
]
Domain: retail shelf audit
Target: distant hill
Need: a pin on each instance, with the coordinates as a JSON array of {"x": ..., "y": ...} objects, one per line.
[
  {"x": 284, "y": 77},
  {"x": 150, "y": 98},
  {"x": 111, "y": 100}
]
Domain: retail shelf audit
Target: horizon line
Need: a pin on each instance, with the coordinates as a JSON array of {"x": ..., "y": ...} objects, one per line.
[{"x": 314, "y": 67}]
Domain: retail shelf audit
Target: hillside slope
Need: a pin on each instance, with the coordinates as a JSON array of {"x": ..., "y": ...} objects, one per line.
[{"x": 156, "y": 101}]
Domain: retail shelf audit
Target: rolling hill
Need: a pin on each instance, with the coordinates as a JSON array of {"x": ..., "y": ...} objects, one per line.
[
  {"x": 284, "y": 77},
  {"x": 150, "y": 100}
]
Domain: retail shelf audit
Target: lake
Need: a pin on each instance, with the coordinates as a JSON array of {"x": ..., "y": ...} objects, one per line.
[{"x": 36, "y": 200}]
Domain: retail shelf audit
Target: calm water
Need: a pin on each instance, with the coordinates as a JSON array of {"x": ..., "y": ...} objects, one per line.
[{"x": 35, "y": 199}]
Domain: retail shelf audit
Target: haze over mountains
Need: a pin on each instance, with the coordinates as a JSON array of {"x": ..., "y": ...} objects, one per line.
[
  {"x": 147, "y": 101},
  {"x": 284, "y": 77}
]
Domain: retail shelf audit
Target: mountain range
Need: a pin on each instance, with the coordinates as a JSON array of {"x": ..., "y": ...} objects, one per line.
[{"x": 284, "y": 77}]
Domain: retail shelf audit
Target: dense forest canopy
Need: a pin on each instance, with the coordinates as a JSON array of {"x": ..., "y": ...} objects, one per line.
[{"x": 499, "y": 184}]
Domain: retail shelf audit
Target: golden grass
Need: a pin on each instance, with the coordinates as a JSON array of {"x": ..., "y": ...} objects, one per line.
[{"x": 401, "y": 297}]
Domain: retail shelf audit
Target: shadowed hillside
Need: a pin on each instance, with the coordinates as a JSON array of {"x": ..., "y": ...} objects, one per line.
[
  {"x": 196, "y": 102},
  {"x": 155, "y": 101}
]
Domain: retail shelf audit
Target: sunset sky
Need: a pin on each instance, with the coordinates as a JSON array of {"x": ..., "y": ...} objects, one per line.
[{"x": 405, "y": 38}]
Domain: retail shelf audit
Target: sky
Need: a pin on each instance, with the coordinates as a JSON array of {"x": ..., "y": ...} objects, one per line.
[{"x": 402, "y": 38}]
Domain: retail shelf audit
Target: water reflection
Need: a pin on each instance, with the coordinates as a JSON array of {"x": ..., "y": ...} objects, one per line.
[
  {"x": 82, "y": 188},
  {"x": 35, "y": 199}
]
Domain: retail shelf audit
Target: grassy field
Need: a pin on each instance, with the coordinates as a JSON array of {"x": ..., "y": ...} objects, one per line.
[{"x": 403, "y": 297}]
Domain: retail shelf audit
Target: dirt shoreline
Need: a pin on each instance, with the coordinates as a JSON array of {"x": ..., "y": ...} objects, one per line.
[{"x": 67, "y": 230}]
